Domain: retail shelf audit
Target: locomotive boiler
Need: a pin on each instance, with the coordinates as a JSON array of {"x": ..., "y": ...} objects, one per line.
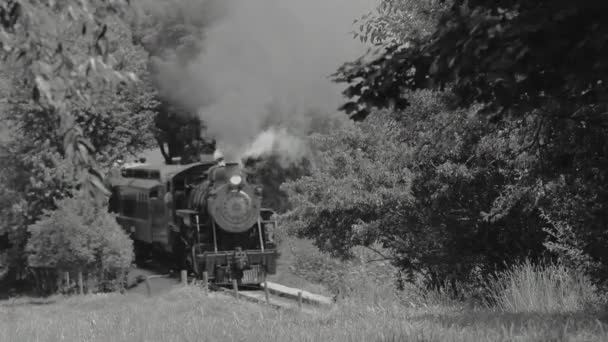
[{"x": 206, "y": 215}]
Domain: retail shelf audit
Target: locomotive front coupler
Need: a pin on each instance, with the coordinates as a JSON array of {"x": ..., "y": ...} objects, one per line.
[{"x": 241, "y": 261}]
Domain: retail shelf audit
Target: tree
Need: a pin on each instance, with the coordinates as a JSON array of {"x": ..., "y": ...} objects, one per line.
[
  {"x": 179, "y": 134},
  {"x": 491, "y": 54},
  {"x": 396, "y": 21},
  {"x": 80, "y": 235},
  {"x": 538, "y": 71},
  {"x": 431, "y": 221},
  {"x": 356, "y": 178},
  {"x": 76, "y": 109},
  {"x": 62, "y": 75},
  {"x": 172, "y": 33},
  {"x": 269, "y": 171}
]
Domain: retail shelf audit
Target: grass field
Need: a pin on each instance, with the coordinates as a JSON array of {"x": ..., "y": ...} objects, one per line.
[
  {"x": 186, "y": 314},
  {"x": 548, "y": 303},
  {"x": 289, "y": 251},
  {"x": 533, "y": 303}
]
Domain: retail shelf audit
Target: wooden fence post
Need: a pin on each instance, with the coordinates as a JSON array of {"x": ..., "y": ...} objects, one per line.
[
  {"x": 184, "y": 277},
  {"x": 206, "y": 282},
  {"x": 66, "y": 276},
  {"x": 80, "y": 284},
  {"x": 148, "y": 287},
  {"x": 300, "y": 299},
  {"x": 236, "y": 288}
]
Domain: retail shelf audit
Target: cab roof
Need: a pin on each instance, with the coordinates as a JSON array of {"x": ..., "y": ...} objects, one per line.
[
  {"x": 142, "y": 175},
  {"x": 145, "y": 184},
  {"x": 161, "y": 172}
]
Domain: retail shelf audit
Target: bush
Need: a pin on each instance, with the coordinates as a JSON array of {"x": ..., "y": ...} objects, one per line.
[
  {"x": 550, "y": 288},
  {"x": 80, "y": 235},
  {"x": 362, "y": 278}
]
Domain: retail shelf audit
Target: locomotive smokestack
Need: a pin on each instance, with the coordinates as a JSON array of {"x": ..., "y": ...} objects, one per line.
[{"x": 232, "y": 168}]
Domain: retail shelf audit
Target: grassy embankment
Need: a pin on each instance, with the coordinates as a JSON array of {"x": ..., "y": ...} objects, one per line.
[{"x": 532, "y": 304}]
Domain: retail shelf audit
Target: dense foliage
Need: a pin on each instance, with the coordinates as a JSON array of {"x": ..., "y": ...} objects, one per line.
[
  {"x": 172, "y": 32},
  {"x": 509, "y": 54},
  {"x": 357, "y": 177},
  {"x": 71, "y": 105},
  {"x": 178, "y": 133},
  {"x": 524, "y": 162},
  {"x": 395, "y": 21},
  {"x": 270, "y": 172},
  {"x": 483, "y": 141},
  {"x": 507, "y": 150},
  {"x": 70, "y": 111},
  {"x": 423, "y": 189},
  {"x": 80, "y": 236},
  {"x": 64, "y": 55}
]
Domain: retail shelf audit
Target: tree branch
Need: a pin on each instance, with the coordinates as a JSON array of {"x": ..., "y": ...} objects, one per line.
[{"x": 384, "y": 257}]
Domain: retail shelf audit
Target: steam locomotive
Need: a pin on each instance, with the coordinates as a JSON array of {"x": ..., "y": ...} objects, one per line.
[{"x": 206, "y": 215}]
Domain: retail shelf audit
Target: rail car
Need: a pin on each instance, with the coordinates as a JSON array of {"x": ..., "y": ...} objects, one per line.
[{"x": 206, "y": 215}]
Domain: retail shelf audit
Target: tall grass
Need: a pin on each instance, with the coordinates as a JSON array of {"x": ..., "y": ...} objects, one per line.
[
  {"x": 187, "y": 314},
  {"x": 530, "y": 303},
  {"x": 525, "y": 288},
  {"x": 551, "y": 288}
]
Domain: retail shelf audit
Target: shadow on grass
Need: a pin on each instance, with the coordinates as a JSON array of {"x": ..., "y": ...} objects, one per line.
[{"x": 24, "y": 301}]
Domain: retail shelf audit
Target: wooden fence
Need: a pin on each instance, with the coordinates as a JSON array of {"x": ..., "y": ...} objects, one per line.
[{"x": 48, "y": 280}]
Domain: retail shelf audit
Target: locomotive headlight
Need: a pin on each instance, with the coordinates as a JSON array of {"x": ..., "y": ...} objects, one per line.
[{"x": 236, "y": 180}]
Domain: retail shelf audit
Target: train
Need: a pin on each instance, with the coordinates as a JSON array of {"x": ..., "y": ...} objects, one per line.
[{"x": 206, "y": 216}]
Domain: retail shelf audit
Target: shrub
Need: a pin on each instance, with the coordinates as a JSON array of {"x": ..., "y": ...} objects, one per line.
[
  {"x": 80, "y": 235},
  {"x": 362, "y": 278},
  {"x": 549, "y": 288},
  {"x": 569, "y": 246}
]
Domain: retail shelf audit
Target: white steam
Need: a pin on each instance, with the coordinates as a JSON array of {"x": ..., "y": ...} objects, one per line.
[
  {"x": 278, "y": 141},
  {"x": 264, "y": 65}
]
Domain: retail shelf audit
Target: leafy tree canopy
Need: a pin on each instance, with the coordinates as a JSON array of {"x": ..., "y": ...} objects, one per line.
[
  {"x": 396, "y": 21},
  {"x": 65, "y": 55},
  {"x": 424, "y": 185},
  {"x": 355, "y": 178},
  {"x": 79, "y": 234},
  {"x": 68, "y": 70},
  {"x": 172, "y": 32},
  {"x": 535, "y": 73},
  {"x": 511, "y": 55},
  {"x": 178, "y": 133}
]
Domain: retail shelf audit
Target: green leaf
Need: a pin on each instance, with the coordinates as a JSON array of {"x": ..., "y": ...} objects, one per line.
[
  {"x": 44, "y": 89},
  {"x": 96, "y": 179}
]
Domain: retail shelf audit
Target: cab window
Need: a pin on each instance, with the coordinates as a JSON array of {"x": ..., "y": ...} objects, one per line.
[
  {"x": 142, "y": 206},
  {"x": 129, "y": 205}
]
